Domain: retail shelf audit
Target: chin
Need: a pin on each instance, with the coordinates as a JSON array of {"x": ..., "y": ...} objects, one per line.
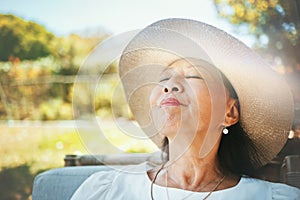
[{"x": 169, "y": 130}]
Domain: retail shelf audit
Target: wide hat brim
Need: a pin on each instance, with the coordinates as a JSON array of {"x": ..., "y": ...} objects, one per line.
[{"x": 266, "y": 103}]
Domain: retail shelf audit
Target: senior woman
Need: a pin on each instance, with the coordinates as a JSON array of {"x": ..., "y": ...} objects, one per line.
[{"x": 213, "y": 106}]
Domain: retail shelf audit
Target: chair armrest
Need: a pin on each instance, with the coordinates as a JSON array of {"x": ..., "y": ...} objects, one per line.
[
  {"x": 114, "y": 159},
  {"x": 61, "y": 183},
  {"x": 290, "y": 170}
]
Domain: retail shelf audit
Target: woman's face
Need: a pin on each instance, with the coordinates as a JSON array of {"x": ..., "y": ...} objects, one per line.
[
  {"x": 181, "y": 102},
  {"x": 191, "y": 106}
]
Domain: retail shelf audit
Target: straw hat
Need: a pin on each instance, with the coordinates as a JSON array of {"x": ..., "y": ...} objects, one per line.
[{"x": 266, "y": 103}]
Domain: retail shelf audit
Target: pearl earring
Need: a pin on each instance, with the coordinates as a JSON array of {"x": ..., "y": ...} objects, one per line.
[{"x": 225, "y": 130}]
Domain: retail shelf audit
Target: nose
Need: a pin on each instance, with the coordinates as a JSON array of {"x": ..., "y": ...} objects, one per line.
[
  {"x": 172, "y": 86},
  {"x": 173, "y": 89}
]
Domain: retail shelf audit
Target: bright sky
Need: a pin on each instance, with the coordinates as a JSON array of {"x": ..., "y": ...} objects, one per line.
[{"x": 114, "y": 16}]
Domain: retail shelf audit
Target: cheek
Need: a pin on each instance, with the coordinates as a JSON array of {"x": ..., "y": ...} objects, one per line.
[
  {"x": 155, "y": 95},
  {"x": 203, "y": 103},
  {"x": 204, "y": 106}
]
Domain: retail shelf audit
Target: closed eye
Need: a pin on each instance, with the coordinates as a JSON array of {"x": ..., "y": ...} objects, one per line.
[
  {"x": 195, "y": 77},
  {"x": 164, "y": 79}
]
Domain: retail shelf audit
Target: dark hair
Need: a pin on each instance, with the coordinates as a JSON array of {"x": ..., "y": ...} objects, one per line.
[{"x": 237, "y": 153}]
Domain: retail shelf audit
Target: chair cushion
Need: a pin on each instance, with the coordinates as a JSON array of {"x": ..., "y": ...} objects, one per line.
[{"x": 61, "y": 183}]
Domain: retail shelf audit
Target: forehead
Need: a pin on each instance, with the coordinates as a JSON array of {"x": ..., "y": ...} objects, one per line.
[
  {"x": 181, "y": 61},
  {"x": 182, "y": 64},
  {"x": 189, "y": 64}
]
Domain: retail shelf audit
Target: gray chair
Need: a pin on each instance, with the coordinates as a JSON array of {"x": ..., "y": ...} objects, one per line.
[
  {"x": 61, "y": 183},
  {"x": 290, "y": 171}
]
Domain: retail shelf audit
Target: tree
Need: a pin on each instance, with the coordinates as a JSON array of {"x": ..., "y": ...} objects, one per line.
[
  {"x": 276, "y": 25},
  {"x": 23, "y": 39}
]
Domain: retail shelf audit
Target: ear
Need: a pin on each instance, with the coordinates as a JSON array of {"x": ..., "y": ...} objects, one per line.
[{"x": 232, "y": 114}]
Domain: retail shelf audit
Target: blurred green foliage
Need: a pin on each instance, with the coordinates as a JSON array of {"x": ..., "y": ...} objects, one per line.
[
  {"x": 23, "y": 39},
  {"x": 40, "y": 146},
  {"x": 275, "y": 23},
  {"x": 14, "y": 182},
  {"x": 40, "y": 86},
  {"x": 276, "y": 27},
  {"x": 37, "y": 75},
  {"x": 27, "y": 150}
]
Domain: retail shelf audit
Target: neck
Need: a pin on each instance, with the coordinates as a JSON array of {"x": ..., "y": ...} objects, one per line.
[{"x": 200, "y": 171}]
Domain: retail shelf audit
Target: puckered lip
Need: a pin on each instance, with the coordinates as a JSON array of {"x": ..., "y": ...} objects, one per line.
[{"x": 170, "y": 102}]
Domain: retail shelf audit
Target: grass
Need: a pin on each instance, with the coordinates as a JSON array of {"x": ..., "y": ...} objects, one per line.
[
  {"x": 29, "y": 148},
  {"x": 44, "y": 145}
]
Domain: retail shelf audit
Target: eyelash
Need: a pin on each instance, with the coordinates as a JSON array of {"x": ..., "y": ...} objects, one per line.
[
  {"x": 196, "y": 77},
  {"x": 188, "y": 77},
  {"x": 165, "y": 79}
]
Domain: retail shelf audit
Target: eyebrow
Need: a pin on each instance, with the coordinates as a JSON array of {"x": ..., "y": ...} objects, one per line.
[{"x": 169, "y": 67}]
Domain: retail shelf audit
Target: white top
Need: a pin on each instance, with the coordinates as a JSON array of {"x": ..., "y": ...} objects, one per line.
[{"x": 133, "y": 183}]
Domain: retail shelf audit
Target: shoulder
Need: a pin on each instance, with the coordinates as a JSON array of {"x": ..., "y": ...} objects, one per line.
[
  {"x": 96, "y": 185},
  {"x": 276, "y": 191},
  {"x": 104, "y": 184},
  {"x": 283, "y": 191}
]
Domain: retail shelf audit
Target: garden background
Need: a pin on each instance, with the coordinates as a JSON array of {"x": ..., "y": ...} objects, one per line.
[{"x": 38, "y": 69}]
